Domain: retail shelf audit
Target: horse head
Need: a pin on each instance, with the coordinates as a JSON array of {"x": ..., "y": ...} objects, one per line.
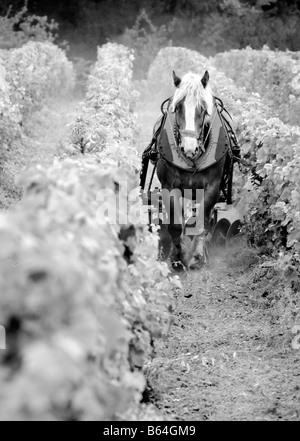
[{"x": 192, "y": 104}]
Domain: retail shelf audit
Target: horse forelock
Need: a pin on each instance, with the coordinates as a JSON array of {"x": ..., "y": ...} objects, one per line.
[{"x": 191, "y": 89}]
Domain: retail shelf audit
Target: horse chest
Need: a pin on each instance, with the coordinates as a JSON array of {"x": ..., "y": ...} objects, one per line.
[
  {"x": 189, "y": 182},
  {"x": 174, "y": 178}
]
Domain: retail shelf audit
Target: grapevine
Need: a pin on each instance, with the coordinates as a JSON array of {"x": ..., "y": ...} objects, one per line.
[{"x": 87, "y": 314}]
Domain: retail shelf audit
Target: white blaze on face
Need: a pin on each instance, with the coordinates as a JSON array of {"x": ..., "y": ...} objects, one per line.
[{"x": 190, "y": 144}]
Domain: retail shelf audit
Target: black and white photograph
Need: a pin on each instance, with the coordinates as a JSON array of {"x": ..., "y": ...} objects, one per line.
[{"x": 149, "y": 213}]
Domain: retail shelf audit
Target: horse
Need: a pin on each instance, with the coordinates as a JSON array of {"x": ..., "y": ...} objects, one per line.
[{"x": 192, "y": 106}]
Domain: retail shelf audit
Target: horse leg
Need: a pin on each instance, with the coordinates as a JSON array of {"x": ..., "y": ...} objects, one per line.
[
  {"x": 173, "y": 206},
  {"x": 165, "y": 242}
]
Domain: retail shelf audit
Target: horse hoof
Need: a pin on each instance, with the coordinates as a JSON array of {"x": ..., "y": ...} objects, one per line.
[
  {"x": 197, "y": 262},
  {"x": 178, "y": 266},
  {"x": 197, "y": 265}
]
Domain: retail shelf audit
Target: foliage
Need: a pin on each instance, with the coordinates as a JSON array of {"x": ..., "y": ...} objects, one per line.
[
  {"x": 239, "y": 25},
  {"x": 30, "y": 74},
  {"x": 206, "y": 26},
  {"x": 272, "y": 204},
  {"x": 106, "y": 116},
  {"x": 86, "y": 318},
  {"x": 82, "y": 301},
  {"x": 146, "y": 39},
  {"x": 35, "y": 71},
  {"x": 9, "y": 115},
  {"x": 274, "y": 75},
  {"x": 21, "y": 27}
]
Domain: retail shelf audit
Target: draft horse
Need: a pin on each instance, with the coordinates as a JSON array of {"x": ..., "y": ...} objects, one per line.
[{"x": 193, "y": 107}]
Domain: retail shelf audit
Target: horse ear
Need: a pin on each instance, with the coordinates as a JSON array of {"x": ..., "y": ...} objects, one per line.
[
  {"x": 177, "y": 80},
  {"x": 205, "y": 79}
]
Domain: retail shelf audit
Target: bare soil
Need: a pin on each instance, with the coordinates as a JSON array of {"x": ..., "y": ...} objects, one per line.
[{"x": 230, "y": 355}]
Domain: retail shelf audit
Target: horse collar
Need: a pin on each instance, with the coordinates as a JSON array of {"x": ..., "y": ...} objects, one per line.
[{"x": 216, "y": 143}]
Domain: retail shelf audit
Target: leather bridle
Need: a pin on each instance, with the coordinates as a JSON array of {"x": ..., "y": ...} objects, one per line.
[{"x": 199, "y": 136}]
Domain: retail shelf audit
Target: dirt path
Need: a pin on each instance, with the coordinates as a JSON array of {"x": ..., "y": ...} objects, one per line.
[
  {"x": 41, "y": 142},
  {"x": 229, "y": 356}
]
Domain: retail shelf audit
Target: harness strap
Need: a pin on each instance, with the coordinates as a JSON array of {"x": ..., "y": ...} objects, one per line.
[{"x": 233, "y": 148}]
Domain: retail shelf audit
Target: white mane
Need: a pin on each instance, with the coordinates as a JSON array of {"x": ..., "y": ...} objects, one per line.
[{"x": 191, "y": 88}]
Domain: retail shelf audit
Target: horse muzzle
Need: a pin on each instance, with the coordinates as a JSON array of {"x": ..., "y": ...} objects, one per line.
[
  {"x": 191, "y": 144},
  {"x": 192, "y": 149},
  {"x": 190, "y": 153}
]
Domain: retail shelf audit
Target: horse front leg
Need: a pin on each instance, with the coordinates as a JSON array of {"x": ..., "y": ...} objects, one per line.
[{"x": 173, "y": 205}]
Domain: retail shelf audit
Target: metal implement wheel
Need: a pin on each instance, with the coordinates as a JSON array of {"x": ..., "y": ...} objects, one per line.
[
  {"x": 234, "y": 234},
  {"x": 219, "y": 234}
]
